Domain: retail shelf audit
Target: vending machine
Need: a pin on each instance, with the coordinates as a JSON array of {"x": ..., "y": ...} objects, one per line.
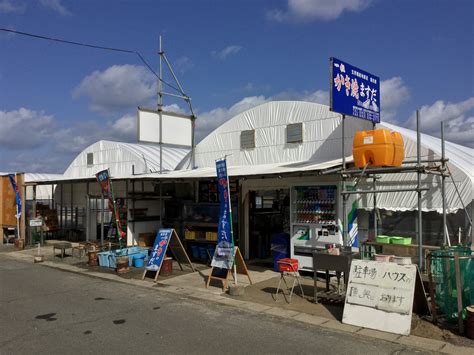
[{"x": 316, "y": 221}]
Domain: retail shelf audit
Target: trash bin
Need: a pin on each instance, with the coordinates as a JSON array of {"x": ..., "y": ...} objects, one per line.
[
  {"x": 444, "y": 278},
  {"x": 280, "y": 247}
]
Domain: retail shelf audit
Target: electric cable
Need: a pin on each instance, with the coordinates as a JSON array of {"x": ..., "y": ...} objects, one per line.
[{"x": 95, "y": 47}]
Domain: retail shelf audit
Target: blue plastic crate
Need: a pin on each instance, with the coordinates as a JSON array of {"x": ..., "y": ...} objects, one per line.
[{"x": 104, "y": 258}]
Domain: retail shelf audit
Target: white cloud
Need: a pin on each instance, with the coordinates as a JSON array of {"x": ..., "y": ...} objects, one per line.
[
  {"x": 310, "y": 10},
  {"x": 226, "y": 52},
  {"x": 118, "y": 87},
  {"x": 7, "y": 6},
  {"x": 56, "y": 6},
  {"x": 458, "y": 120},
  {"x": 183, "y": 64},
  {"x": 393, "y": 93},
  {"x": 210, "y": 120},
  {"x": 24, "y": 129}
]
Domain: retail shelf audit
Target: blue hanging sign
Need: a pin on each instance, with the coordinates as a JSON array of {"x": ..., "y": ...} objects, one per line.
[
  {"x": 17, "y": 195},
  {"x": 159, "y": 249},
  {"x": 353, "y": 91},
  {"x": 224, "y": 254}
]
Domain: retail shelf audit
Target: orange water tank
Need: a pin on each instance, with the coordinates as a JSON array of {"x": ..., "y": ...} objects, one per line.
[{"x": 379, "y": 147}]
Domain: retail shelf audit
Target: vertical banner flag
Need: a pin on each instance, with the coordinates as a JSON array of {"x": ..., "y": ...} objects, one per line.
[
  {"x": 17, "y": 195},
  {"x": 224, "y": 254},
  {"x": 353, "y": 91},
  {"x": 103, "y": 178}
]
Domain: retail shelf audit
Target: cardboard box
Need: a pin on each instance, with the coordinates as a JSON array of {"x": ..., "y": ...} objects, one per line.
[{"x": 146, "y": 239}]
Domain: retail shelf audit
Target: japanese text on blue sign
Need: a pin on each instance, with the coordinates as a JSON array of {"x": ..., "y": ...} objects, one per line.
[
  {"x": 224, "y": 254},
  {"x": 354, "y": 92},
  {"x": 159, "y": 249}
]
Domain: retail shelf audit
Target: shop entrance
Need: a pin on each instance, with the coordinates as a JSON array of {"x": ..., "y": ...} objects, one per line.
[{"x": 269, "y": 215}]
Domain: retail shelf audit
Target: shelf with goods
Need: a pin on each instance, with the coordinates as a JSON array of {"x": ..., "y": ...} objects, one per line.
[{"x": 314, "y": 205}]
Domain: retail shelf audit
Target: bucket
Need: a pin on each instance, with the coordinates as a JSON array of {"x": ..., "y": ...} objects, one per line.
[
  {"x": 166, "y": 267},
  {"x": 211, "y": 248},
  {"x": 203, "y": 253},
  {"x": 382, "y": 257},
  {"x": 195, "y": 251},
  {"x": 139, "y": 260}
]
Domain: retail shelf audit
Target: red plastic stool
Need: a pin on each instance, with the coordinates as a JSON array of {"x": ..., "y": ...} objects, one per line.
[{"x": 289, "y": 267}]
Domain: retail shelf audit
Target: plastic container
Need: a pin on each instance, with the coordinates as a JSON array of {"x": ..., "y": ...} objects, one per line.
[
  {"x": 195, "y": 251},
  {"x": 288, "y": 268},
  {"x": 139, "y": 260},
  {"x": 402, "y": 260},
  {"x": 444, "y": 277},
  {"x": 383, "y": 257},
  {"x": 203, "y": 253},
  {"x": 378, "y": 148},
  {"x": 211, "y": 248},
  {"x": 280, "y": 248},
  {"x": 400, "y": 240},
  {"x": 383, "y": 239},
  {"x": 104, "y": 258}
]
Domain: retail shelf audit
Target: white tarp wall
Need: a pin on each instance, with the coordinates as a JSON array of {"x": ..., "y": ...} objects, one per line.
[
  {"x": 461, "y": 165},
  {"x": 121, "y": 157},
  {"x": 322, "y": 135}
]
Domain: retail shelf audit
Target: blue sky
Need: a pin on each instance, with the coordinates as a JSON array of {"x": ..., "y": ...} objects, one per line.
[{"x": 56, "y": 99}]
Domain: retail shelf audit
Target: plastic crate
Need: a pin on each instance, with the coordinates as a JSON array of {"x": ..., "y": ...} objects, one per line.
[
  {"x": 383, "y": 239},
  {"x": 284, "y": 267},
  {"x": 400, "y": 240},
  {"x": 104, "y": 258}
]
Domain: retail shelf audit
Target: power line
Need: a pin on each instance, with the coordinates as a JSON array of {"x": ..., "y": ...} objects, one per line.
[{"x": 92, "y": 46}]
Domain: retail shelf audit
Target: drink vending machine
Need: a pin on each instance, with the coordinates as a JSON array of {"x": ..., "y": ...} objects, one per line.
[{"x": 316, "y": 221}]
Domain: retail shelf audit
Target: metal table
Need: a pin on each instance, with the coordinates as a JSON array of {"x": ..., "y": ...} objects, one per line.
[
  {"x": 62, "y": 246},
  {"x": 328, "y": 262}
]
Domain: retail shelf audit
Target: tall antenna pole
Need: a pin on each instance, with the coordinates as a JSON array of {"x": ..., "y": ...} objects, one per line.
[{"x": 160, "y": 109}]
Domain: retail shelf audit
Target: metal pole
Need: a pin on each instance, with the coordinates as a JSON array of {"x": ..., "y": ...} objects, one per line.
[
  {"x": 61, "y": 208},
  {"x": 102, "y": 222},
  {"x": 374, "y": 183},
  {"x": 420, "y": 220},
  {"x": 355, "y": 192},
  {"x": 161, "y": 204},
  {"x": 88, "y": 215},
  {"x": 160, "y": 105},
  {"x": 443, "y": 188},
  {"x": 344, "y": 197}
]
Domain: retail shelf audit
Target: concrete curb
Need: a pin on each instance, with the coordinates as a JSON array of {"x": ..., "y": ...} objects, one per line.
[{"x": 411, "y": 340}]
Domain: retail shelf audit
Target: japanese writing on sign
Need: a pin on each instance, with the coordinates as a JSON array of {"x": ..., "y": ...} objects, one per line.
[
  {"x": 224, "y": 254},
  {"x": 159, "y": 249},
  {"x": 383, "y": 286},
  {"x": 354, "y": 92}
]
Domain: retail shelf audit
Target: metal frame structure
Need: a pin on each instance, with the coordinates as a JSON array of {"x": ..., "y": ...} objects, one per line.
[{"x": 420, "y": 167}]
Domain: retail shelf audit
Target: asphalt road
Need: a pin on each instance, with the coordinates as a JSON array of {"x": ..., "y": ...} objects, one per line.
[{"x": 43, "y": 310}]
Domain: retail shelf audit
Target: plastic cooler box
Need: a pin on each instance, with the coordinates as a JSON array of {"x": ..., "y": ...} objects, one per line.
[
  {"x": 283, "y": 265},
  {"x": 379, "y": 147}
]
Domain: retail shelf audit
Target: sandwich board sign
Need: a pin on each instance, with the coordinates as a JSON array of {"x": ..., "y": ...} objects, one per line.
[
  {"x": 380, "y": 296},
  {"x": 166, "y": 238},
  {"x": 354, "y": 91}
]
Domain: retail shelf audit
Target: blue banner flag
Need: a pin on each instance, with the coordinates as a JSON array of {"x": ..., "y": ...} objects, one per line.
[
  {"x": 159, "y": 249},
  {"x": 354, "y": 92},
  {"x": 224, "y": 254},
  {"x": 17, "y": 195}
]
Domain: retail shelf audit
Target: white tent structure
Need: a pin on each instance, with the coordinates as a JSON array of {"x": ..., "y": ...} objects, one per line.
[
  {"x": 321, "y": 143},
  {"x": 123, "y": 159}
]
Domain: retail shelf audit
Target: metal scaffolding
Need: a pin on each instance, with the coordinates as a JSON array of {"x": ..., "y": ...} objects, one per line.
[{"x": 420, "y": 166}]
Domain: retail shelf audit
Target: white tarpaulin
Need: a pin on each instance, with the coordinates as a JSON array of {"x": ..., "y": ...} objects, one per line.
[
  {"x": 322, "y": 134},
  {"x": 120, "y": 157}
]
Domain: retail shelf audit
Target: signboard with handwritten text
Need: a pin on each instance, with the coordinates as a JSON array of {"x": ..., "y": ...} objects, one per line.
[{"x": 380, "y": 296}]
